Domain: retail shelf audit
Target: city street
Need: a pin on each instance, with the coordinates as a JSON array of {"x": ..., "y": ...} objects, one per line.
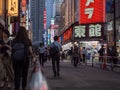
[
  {"x": 80, "y": 78},
  {"x": 37, "y": 30}
]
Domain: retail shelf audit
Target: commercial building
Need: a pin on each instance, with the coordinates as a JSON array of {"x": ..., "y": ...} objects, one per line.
[
  {"x": 49, "y": 12},
  {"x": 78, "y": 21},
  {"x": 37, "y": 19}
]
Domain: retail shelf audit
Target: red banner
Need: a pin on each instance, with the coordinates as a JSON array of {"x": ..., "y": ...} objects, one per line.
[
  {"x": 67, "y": 34},
  {"x": 45, "y": 19},
  {"x": 24, "y": 3},
  {"x": 92, "y": 11}
]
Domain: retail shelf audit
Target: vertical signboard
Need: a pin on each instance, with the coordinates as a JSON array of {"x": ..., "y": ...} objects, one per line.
[
  {"x": 67, "y": 34},
  {"x": 1, "y": 7},
  {"x": 23, "y": 3},
  {"x": 44, "y": 19},
  {"x": 109, "y": 6},
  {"x": 12, "y": 7},
  {"x": 92, "y": 11}
]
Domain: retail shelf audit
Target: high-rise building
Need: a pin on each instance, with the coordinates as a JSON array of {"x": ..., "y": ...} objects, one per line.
[
  {"x": 37, "y": 19},
  {"x": 49, "y": 12},
  {"x": 56, "y": 15}
]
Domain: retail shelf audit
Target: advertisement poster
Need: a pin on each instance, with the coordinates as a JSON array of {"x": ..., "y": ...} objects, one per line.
[
  {"x": 92, "y": 11},
  {"x": 12, "y": 7},
  {"x": 1, "y": 7}
]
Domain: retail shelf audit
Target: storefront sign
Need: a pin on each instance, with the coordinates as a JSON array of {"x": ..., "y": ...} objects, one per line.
[
  {"x": 92, "y": 11},
  {"x": 67, "y": 35},
  {"x": 12, "y": 7},
  {"x": 88, "y": 31},
  {"x": 1, "y": 7}
]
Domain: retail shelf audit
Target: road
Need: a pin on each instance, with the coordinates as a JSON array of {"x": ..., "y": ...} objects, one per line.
[{"x": 80, "y": 78}]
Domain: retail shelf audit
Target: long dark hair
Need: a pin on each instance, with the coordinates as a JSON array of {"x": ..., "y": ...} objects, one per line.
[{"x": 22, "y": 35}]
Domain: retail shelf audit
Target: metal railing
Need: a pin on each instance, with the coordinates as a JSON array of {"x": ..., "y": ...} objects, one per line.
[{"x": 104, "y": 62}]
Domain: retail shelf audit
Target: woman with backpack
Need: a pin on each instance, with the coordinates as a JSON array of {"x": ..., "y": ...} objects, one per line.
[{"x": 21, "y": 50}]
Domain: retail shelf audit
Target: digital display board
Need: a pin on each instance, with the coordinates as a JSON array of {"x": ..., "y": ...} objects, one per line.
[{"x": 92, "y": 11}]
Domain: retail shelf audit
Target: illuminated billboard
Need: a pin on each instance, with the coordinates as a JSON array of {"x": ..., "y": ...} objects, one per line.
[
  {"x": 92, "y": 11},
  {"x": 89, "y": 31},
  {"x": 23, "y": 3},
  {"x": 67, "y": 34},
  {"x": 1, "y": 7},
  {"x": 12, "y": 7},
  {"x": 44, "y": 19}
]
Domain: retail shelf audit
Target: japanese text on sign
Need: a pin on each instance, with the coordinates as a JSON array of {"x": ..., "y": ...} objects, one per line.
[
  {"x": 93, "y": 31},
  {"x": 92, "y": 11},
  {"x": 89, "y": 11}
]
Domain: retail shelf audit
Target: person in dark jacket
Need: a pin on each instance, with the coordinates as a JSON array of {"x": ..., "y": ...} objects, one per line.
[
  {"x": 114, "y": 55},
  {"x": 41, "y": 50},
  {"x": 75, "y": 55},
  {"x": 101, "y": 53},
  {"x": 56, "y": 57}
]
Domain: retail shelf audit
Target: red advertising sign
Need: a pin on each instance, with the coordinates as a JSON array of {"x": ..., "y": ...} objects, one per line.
[
  {"x": 23, "y": 3},
  {"x": 45, "y": 19},
  {"x": 92, "y": 11},
  {"x": 67, "y": 34}
]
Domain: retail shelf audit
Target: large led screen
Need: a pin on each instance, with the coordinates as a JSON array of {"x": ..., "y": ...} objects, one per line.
[{"x": 92, "y": 11}]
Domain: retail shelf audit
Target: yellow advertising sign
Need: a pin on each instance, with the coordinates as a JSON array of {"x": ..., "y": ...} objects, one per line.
[
  {"x": 1, "y": 7},
  {"x": 12, "y": 7}
]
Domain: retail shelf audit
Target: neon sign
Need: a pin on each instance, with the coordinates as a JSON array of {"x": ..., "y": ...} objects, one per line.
[
  {"x": 88, "y": 31},
  {"x": 92, "y": 11}
]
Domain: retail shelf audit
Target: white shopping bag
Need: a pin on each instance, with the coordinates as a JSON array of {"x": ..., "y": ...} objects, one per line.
[{"x": 37, "y": 80}]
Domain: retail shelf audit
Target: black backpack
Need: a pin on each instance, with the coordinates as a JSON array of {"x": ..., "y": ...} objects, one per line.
[
  {"x": 18, "y": 51},
  {"x": 54, "y": 50}
]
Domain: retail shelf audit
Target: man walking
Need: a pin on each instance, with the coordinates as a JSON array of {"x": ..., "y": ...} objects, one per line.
[{"x": 55, "y": 54}]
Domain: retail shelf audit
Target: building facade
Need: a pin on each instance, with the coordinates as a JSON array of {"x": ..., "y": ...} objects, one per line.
[
  {"x": 118, "y": 22},
  {"x": 49, "y": 12},
  {"x": 37, "y": 19}
]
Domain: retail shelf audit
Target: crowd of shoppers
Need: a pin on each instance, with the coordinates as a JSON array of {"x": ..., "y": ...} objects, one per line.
[{"x": 16, "y": 68}]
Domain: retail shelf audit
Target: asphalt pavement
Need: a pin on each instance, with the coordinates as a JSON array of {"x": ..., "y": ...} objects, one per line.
[{"x": 80, "y": 78}]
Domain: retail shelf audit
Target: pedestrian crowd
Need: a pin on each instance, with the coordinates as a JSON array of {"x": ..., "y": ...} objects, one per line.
[{"x": 17, "y": 54}]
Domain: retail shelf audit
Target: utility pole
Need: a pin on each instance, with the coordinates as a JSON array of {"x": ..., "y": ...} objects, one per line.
[
  {"x": 5, "y": 14},
  {"x": 114, "y": 22},
  {"x": 19, "y": 11}
]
